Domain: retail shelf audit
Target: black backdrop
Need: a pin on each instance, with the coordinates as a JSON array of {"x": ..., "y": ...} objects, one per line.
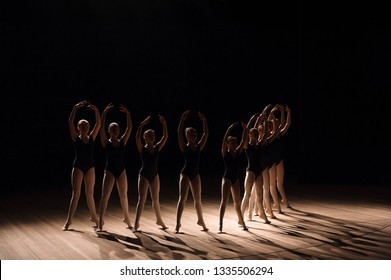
[{"x": 328, "y": 62}]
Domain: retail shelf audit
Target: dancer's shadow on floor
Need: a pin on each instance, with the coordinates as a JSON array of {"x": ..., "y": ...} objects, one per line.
[
  {"x": 338, "y": 233},
  {"x": 156, "y": 247}
]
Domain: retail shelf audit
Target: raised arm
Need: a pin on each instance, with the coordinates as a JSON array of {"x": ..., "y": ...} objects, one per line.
[
  {"x": 181, "y": 140},
  {"x": 288, "y": 120},
  {"x": 205, "y": 131},
  {"x": 282, "y": 116},
  {"x": 249, "y": 123},
  {"x": 224, "y": 148},
  {"x": 244, "y": 138},
  {"x": 71, "y": 120},
  {"x": 102, "y": 130},
  {"x": 263, "y": 115},
  {"x": 164, "y": 138},
  {"x": 128, "y": 130},
  {"x": 275, "y": 131},
  {"x": 95, "y": 129},
  {"x": 139, "y": 133},
  {"x": 251, "y": 120}
]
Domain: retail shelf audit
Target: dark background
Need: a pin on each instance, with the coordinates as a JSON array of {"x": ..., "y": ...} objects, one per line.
[{"x": 328, "y": 61}]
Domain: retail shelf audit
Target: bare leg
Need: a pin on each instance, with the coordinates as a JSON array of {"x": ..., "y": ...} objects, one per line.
[
  {"x": 184, "y": 184},
  {"x": 251, "y": 206},
  {"x": 266, "y": 193},
  {"x": 273, "y": 187},
  {"x": 280, "y": 183},
  {"x": 122, "y": 186},
  {"x": 154, "y": 190},
  {"x": 225, "y": 189},
  {"x": 195, "y": 187},
  {"x": 235, "y": 191},
  {"x": 248, "y": 184},
  {"x": 89, "y": 182},
  {"x": 76, "y": 180},
  {"x": 107, "y": 187},
  {"x": 258, "y": 185},
  {"x": 142, "y": 197}
]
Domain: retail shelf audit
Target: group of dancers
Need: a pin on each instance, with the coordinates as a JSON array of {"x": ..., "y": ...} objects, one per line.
[{"x": 262, "y": 142}]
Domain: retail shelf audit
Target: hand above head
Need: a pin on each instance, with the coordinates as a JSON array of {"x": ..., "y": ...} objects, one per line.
[
  {"x": 123, "y": 109},
  {"x": 108, "y": 107},
  {"x": 146, "y": 120},
  {"x": 81, "y": 104},
  {"x": 185, "y": 114},
  {"x": 243, "y": 124},
  {"x": 161, "y": 119},
  {"x": 275, "y": 108},
  {"x": 201, "y": 116},
  {"x": 235, "y": 124},
  {"x": 267, "y": 108},
  {"x": 92, "y": 106}
]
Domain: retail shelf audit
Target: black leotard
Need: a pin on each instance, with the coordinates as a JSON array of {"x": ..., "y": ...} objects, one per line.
[
  {"x": 192, "y": 162},
  {"x": 278, "y": 149},
  {"x": 231, "y": 165},
  {"x": 149, "y": 167},
  {"x": 84, "y": 154},
  {"x": 115, "y": 158},
  {"x": 266, "y": 156},
  {"x": 253, "y": 153}
]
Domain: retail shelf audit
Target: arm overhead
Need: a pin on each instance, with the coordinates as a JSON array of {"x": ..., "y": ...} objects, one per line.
[
  {"x": 139, "y": 133},
  {"x": 164, "y": 138},
  {"x": 181, "y": 140},
  {"x": 205, "y": 130}
]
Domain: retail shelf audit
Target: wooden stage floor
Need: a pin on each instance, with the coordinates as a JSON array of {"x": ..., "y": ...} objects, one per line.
[{"x": 326, "y": 223}]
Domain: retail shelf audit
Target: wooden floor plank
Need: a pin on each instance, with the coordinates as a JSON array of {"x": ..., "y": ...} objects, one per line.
[{"x": 320, "y": 226}]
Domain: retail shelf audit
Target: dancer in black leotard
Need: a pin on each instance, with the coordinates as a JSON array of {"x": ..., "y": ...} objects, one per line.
[
  {"x": 253, "y": 177},
  {"x": 148, "y": 174},
  {"x": 115, "y": 171},
  {"x": 83, "y": 164},
  {"x": 267, "y": 136},
  {"x": 231, "y": 152},
  {"x": 277, "y": 169},
  {"x": 189, "y": 176}
]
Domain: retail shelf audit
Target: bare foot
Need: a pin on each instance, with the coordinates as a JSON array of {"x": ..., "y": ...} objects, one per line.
[
  {"x": 95, "y": 220},
  {"x": 100, "y": 225},
  {"x": 243, "y": 225},
  {"x": 263, "y": 216},
  {"x": 128, "y": 223},
  {"x": 270, "y": 214},
  {"x": 177, "y": 227},
  {"x": 66, "y": 226},
  {"x": 202, "y": 223},
  {"x": 287, "y": 205},
  {"x": 160, "y": 223},
  {"x": 135, "y": 228}
]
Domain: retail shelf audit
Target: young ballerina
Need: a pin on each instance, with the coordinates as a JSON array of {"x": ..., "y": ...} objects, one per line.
[
  {"x": 253, "y": 177},
  {"x": 189, "y": 175},
  {"x": 115, "y": 171},
  {"x": 83, "y": 164},
  {"x": 231, "y": 152},
  {"x": 263, "y": 143},
  {"x": 277, "y": 170},
  {"x": 266, "y": 137},
  {"x": 148, "y": 174}
]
